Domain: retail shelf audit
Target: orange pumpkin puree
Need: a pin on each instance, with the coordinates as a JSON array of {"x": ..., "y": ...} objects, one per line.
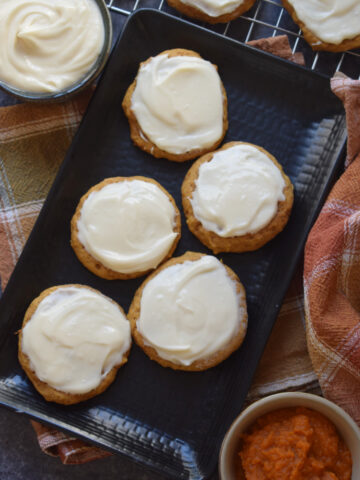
[{"x": 294, "y": 444}]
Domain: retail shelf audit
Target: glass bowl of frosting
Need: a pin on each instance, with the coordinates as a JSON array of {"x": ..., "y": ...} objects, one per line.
[{"x": 51, "y": 49}]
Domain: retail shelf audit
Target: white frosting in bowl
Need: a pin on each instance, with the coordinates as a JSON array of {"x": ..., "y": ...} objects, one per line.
[
  {"x": 128, "y": 225},
  {"x": 332, "y": 21},
  {"x": 178, "y": 103},
  {"x": 237, "y": 191},
  {"x": 48, "y": 45},
  {"x": 74, "y": 338},
  {"x": 190, "y": 310}
]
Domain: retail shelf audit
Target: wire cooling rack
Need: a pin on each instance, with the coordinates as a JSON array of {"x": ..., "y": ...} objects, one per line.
[{"x": 266, "y": 18}]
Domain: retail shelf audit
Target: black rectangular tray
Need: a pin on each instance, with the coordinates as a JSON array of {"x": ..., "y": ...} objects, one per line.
[{"x": 170, "y": 420}]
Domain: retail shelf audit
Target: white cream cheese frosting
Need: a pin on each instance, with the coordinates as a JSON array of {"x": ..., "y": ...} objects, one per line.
[
  {"x": 128, "y": 226},
  {"x": 214, "y": 8},
  {"x": 74, "y": 338},
  {"x": 178, "y": 103},
  {"x": 332, "y": 21},
  {"x": 190, "y": 310},
  {"x": 48, "y": 45},
  {"x": 237, "y": 191}
]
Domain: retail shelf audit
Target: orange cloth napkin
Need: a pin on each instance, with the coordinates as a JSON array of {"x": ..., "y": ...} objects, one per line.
[
  {"x": 70, "y": 450},
  {"x": 332, "y": 272}
]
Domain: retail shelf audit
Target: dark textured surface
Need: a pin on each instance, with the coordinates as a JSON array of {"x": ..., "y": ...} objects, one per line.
[
  {"x": 22, "y": 459},
  {"x": 285, "y": 109}
]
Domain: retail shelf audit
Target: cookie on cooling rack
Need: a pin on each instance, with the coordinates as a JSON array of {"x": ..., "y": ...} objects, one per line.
[
  {"x": 212, "y": 11},
  {"x": 237, "y": 198},
  {"x": 176, "y": 106},
  {"x": 124, "y": 227},
  {"x": 72, "y": 342},
  {"x": 190, "y": 314},
  {"x": 327, "y": 25}
]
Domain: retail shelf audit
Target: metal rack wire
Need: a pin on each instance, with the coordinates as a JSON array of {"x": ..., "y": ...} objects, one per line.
[{"x": 266, "y": 18}]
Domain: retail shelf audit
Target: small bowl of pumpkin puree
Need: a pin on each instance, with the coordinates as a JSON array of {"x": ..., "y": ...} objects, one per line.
[{"x": 291, "y": 436}]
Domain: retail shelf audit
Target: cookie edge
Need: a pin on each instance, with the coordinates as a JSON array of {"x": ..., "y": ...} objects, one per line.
[
  {"x": 204, "y": 363},
  {"x": 140, "y": 139},
  {"x": 241, "y": 243},
  {"x": 51, "y": 394},
  {"x": 94, "y": 265}
]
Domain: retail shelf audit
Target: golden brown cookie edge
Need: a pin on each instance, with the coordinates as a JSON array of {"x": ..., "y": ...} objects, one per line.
[
  {"x": 49, "y": 393},
  {"x": 243, "y": 243},
  {"x": 201, "y": 364},
  {"x": 140, "y": 139},
  {"x": 94, "y": 265}
]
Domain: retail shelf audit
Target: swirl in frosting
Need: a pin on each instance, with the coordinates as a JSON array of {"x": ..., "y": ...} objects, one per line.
[
  {"x": 75, "y": 337},
  {"x": 178, "y": 103},
  {"x": 237, "y": 191},
  {"x": 128, "y": 225},
  {"x": 332, "y": 21},
  {"x": 48, "y": 45},
  {"x": 191, "y": 310}
]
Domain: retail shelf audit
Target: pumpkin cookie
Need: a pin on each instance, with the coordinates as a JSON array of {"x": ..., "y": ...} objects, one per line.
[
  {"x": 237, "y": 198},
  {"x": 124, "y": 227},
  {"x": 190, "y": 314},
  {"x": 327, "y": 25},
  {"x": 212, "y": 11},
  {"x": 176, "y": 106},
  {"x": 72, "y": 342}
]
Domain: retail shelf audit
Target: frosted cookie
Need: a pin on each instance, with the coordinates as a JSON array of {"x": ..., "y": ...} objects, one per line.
[
  {"x": 237, "y": 198},
  {"x": 212, "y": 11},
  {"x": 124, "y": 227},
  {"x": 176, "y": 106},
  {"x": 72, "y": 342},
  {"x": 190, "y": 314},
  {"x": 332, "y": 25}
]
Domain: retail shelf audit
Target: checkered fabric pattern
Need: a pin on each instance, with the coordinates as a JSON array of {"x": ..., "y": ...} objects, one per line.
[
  {"x": 332, "y": 272},
  {"x": 33, "y": 142}
]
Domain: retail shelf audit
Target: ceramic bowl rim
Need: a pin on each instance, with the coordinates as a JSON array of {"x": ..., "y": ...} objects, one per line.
[{"x": 273, "y": 400}]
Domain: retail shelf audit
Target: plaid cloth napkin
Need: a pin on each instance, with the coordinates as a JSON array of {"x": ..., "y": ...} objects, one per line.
[
  {"x": 34, "y": 139},
  {"x": 33, "y": 142},
  {"x": 332, "y": 272}
]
